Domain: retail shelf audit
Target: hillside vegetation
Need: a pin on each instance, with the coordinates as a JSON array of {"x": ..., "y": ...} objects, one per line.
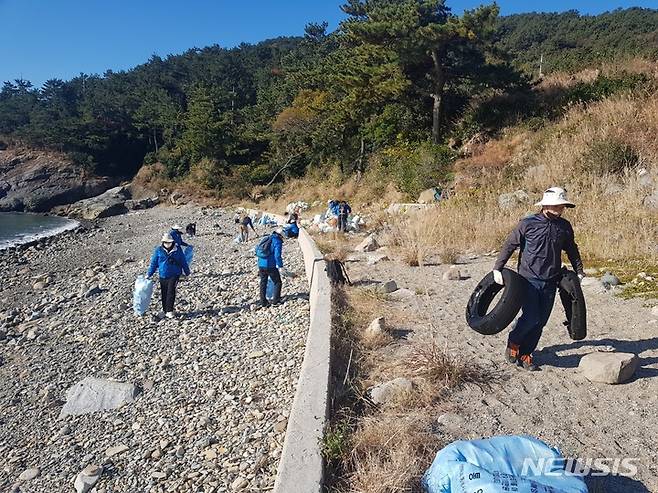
[{"x": 385, "y": 94}]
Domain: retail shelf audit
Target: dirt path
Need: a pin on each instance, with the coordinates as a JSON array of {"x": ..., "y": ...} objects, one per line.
[{"x": 557, "y": 404}]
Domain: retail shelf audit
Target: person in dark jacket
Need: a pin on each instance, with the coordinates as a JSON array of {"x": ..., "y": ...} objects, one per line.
[
  {"x": 245, "y": 224},
  {"x": 541, "y": 239},
  {"x": 344, "y": 210},
  {"x": 268, "y": 268},
  {"x": 168, "y": 259},
  {"x": 177, "y": 234}
]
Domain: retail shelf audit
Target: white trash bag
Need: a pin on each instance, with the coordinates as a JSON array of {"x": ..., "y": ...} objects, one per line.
[{"x": 142, "y": 295}]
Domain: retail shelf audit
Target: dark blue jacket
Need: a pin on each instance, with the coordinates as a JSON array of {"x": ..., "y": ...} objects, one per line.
[
  {"x": 292, "y": 230},
  {"x": 344, "y": 210},
  {"x": 170, "y": 264},
  {"x": 274, "y": 259},
  {"x": 178, "y": 238},
  {"x": 541, "y": 241}
]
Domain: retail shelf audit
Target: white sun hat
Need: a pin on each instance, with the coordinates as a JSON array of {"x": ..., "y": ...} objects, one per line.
[
  {"x": 555, "y": 196},
  {"x": 166, "y": 238},
  {"x": 177, "y": 227}
]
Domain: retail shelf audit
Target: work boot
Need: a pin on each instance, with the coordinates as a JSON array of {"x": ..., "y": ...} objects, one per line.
[
  {"x": 512, "y": 353},
  {"x": 170, "y": 315},
  {"x": 527, "y": 364}
]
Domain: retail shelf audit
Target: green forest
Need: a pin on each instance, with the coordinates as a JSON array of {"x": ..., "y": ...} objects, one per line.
[{"x": 389, "y": 89}]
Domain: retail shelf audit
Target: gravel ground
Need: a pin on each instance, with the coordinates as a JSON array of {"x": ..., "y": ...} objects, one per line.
[
  {"x": 216, "y": 383},
  {"x": 558, "y": 405}
]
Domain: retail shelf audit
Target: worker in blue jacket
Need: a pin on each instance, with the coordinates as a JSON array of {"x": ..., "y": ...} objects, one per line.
[
  {"x": 177, "y": 234},
  {"x": 269, "y": 263},
  {"x": 168, "y": 259}
]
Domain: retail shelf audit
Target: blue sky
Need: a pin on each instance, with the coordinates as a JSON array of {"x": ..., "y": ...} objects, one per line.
[{"x": 42, "y": 39}]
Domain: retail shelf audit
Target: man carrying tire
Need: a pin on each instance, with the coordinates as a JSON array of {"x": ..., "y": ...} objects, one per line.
[{"x": 541, "y": 239}]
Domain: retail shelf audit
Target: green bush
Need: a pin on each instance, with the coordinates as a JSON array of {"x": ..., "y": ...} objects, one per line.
[
  {"x": 414, "y": 167},
  {"x": 609, "y": 157}
]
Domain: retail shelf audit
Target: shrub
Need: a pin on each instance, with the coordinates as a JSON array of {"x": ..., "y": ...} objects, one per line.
[{"x": 609, "y": 157}]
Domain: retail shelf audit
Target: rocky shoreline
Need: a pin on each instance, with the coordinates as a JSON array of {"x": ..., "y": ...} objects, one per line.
[{"x": 213, "y": 387}]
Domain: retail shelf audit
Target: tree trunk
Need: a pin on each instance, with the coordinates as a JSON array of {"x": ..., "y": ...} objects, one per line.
[{"x": 439, "y": 79}]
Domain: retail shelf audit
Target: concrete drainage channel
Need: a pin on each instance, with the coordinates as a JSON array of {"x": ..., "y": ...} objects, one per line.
[{"x": 301, "y": 467}]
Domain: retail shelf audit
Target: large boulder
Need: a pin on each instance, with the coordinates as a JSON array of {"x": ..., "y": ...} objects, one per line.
[
  {"x": 513, "y": 199},
  {"x": 369, "y": 244},
  {"x": 387, "y": 391},
  {"x": 430, "y": 196},
  {"x": 37, "y": 181},
  {"x": 611, "y": 368},
  {"x": 110, "y": 203},
  {"x": 140, "y": 204},
  {"x": 97, "y": 394}
]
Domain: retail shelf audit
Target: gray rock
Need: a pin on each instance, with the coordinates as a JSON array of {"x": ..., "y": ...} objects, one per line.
[
  {"x": 368, "y": 245},
  {"x": 452, "y": 274},
  {"x": 376, "y": 258},
  {"x": 610, "y": 279},
  {"x": 452, "y": 422},
  {"x": 610, "y": 368},
  {"x": 386, "y": 391},
  {"x": 96, "y": 394},
  {"x": 92, "y": 291},
  {"x": 38, "y": 181},
  {"x": 141, "y": 204},
  {"x": 654, "y": 311},
  {"x": 239, "y": 484},
  {"x": 402, "y": 294},
  {"x": 110, "y": 203},
  {"x": 513, "y": 199},
  {"x": 429, "y": 196},
  {"x": 29, "y": 474},
  {"x": 388, "y": 287},
  {"x": 87, "y": 478},
  {"x": 377, "y": 327},
  {"x": 116, "y": 450}
]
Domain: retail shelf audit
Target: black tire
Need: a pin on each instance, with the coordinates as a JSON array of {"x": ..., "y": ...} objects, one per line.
[
  {"x": 573, "y": 301},
  {"x": 508, "y": 306}
]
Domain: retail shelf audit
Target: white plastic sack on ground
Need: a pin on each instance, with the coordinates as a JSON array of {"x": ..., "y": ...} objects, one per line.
[
  {"x": 237, "y": 239},
  {"x": 299, "y": 205},
  {"x": 502, "y": 464},
  {"x": 142, "y": 295},
  {"x": 318, "y": 218}
]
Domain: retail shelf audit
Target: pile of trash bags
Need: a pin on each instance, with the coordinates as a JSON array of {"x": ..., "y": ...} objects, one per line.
[
  {"x": 142, "y": 295},
  {"x": 299, "y": 206},
  {"x": 266, "y": 220},
  {"x": 501, "y": 464},
  {"x": 328, "y": 222}
]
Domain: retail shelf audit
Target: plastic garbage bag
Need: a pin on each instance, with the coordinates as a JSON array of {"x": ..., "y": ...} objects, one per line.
[
  {"x": 189, "y": 254},
  {"x": 269, "y": 293},
  {"x": 237, "y": 239},
  {"x": 502, "y": 464},
  {"x": 142, "y": 295}
]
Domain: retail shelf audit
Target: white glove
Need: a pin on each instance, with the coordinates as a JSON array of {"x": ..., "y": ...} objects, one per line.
[
  {"x": 498, "y": 277},
  {"x": 581, "y": 277}
]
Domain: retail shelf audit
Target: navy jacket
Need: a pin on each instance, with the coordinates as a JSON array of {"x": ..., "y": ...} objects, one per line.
[
  {"x": 292, "y": 230},
  {"x": 178, "y": 238},
  {"x": 541, "y": 241},
  {"x": 168, "y": 265},
  {"x": 274, "y": 259}
]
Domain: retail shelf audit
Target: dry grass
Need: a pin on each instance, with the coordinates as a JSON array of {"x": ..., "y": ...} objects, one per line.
[
  {"x": 610, "y": 221},
  {"x": 390, "y": 453},
  {"x": 443, "y": 369},
  {"x": 412, "y": 238}
]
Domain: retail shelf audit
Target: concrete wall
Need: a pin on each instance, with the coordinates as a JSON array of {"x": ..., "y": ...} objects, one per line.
[{"x": 301, "y": 468}]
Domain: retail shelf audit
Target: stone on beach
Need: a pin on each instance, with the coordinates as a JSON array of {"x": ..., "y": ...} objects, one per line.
[
  {"x": 97, "y": 394},
  {"x": 610, "y": 368}
]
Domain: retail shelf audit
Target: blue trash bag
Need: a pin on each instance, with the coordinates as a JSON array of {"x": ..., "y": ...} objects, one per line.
[
  {"x": 501, "y": 464},
  {"x": 142, "y": 295},
  {"x": 189, "y": 254},
  {"x": 269, "y": 294}
]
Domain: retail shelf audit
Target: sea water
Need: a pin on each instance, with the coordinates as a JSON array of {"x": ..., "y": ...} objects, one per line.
[{"x": 17, "y": 228}]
